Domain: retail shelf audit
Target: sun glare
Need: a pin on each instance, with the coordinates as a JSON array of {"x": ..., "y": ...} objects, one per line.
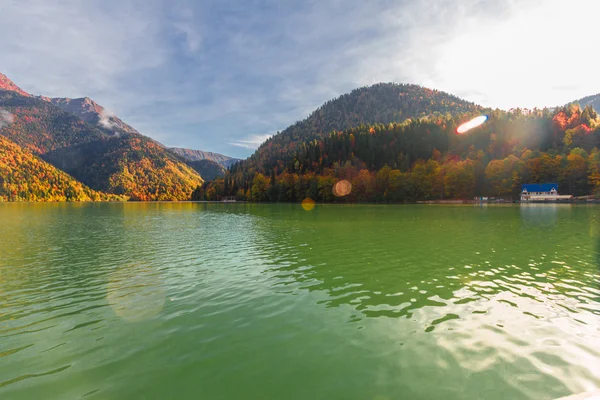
[
  {"x": 474, "y": 123},
  {"x": 342, "y": 188},
  {"x": 308, "y": 204}
]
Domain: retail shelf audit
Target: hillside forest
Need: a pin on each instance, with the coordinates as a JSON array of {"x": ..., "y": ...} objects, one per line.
[
  {"x": 119, "y": 162},
  {"x": 424, "y": 158}
]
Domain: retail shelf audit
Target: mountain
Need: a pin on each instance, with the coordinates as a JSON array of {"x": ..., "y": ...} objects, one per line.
[
  {"x": 209, "y": 165},
  {"x": 98, "y": 149},
  {"x": 419, "y": 158},
  {"x": 42, "y": 127},
  {"x": 92, "y": 112},
  {"x": 25, "y": 177},
  {"x": 593, "y": 101},
  {"x": 197, "y": 155},
  {"x": 207, "y": 169},
  {"x": 381, "y": 103},
  {"x": 7, "y": 84},
  {"x": 84, "y": 108}
]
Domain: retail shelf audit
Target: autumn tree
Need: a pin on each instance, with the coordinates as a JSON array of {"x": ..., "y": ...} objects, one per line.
[
  {"x": 260, "y": 188},
  {"x": 459, "y": 180}
]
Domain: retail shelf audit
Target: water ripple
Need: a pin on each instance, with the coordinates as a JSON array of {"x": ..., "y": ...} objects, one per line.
[{"x": 134, "y": 300}]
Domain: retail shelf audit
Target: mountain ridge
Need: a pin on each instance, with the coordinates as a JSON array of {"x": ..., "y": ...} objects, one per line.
[
  {"x": 198, "y": 155},
  {"x": 7, "y": 84},
  {"x": 92, "y": 112},
  {"x": 115, "y": 158}
]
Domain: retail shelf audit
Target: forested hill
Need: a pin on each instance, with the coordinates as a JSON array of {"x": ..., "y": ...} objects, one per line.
[
  {"x": 105, "y": 158},
  {"x": 25, "y": 177},
  {"x": 425, "y": 159},
  {"x": 208, "y": 169},
  {"x": 378, "y": 104}
]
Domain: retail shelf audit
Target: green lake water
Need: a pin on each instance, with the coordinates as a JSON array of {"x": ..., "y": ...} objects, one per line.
[{"x": 242, "y": 301}]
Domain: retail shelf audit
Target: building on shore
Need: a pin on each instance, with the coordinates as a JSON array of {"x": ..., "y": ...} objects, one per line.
[{"x": 542, "y": 192}]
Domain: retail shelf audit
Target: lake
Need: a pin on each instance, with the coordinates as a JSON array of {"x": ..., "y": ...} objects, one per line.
[{"x": 251, "y": 301}]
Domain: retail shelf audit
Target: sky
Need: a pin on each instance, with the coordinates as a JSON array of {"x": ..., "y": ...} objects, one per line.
[{"x": 224, "y": 75}]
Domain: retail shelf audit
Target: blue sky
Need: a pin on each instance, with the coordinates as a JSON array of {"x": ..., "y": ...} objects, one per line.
[{"x": 224, "y": 75}]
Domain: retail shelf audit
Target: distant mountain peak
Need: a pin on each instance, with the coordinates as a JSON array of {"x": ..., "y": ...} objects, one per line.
[
  {"x": 92, "y": 112},
  {"x": 199, "y": 155},
  {"x": 80, "y": 106},
  {"x": 83, "y": 107},
  {"x": 7, "y": 84}
]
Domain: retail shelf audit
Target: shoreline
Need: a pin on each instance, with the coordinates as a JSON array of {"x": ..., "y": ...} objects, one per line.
[{"x": 419, "y": 202}]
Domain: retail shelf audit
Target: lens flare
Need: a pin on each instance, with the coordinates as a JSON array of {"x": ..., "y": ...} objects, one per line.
[
  {"x": 308, "y": 204},
  {"x": 135, "y": 292},
  {"x": 474, "y": 123},
  {"x": 342, "y": 188}
]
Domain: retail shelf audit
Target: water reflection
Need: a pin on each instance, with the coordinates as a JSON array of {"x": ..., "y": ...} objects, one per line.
[
  {"x": 390, "y": 268},
  {"x": 68, "y": 274},
  {"x": 308, "y": 204},
  {"x": 488, "y": 288},
  {"x": 543, "y": 215}
]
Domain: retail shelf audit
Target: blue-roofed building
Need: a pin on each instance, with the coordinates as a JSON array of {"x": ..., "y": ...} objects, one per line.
[
  {"x": 540, "y": 188},
  {"x": 541, "y": 192}
]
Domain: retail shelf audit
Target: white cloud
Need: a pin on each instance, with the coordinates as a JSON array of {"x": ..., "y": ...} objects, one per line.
[
  {"x": 6, "y": 118},
  {"x": 74, "y": 48},
  {"x": 252, "y": 142},
  {"x": 502, "y": 54},
  {"x": 537, "y": 54},
  {"x": 105, "y": 116}
]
